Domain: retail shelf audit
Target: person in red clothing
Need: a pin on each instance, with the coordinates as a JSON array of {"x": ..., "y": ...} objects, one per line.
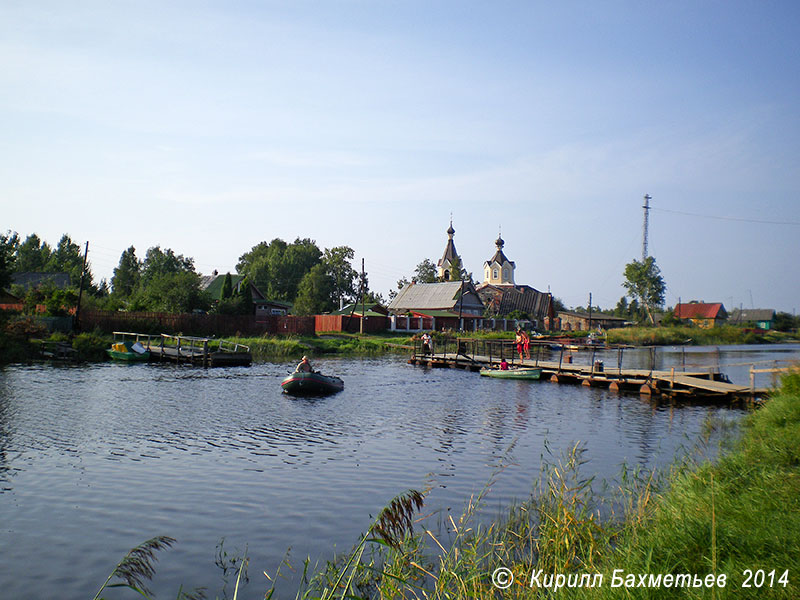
[{"x": 523, "y": 343}]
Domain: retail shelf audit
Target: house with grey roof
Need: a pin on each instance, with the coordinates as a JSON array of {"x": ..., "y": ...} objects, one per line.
[
  {"x": 212, "y": 285},
  {"x": 451, "y": 304},
  {"x": 763, "y": 318},
  {"x": 570, "y": 320}
]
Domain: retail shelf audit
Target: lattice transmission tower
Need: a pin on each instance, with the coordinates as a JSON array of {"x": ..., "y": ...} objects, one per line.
[{"x": 645, "y": 225}]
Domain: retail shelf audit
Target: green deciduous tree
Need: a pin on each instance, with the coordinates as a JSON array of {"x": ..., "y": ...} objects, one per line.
[
  {"x": 338, "y": 263},
  {"x": 127, "y": 274},
  {"x": 315, "y": 292},
  {"x": 558, "y": 304},
  {"x": 424, "y": 273},
  {"x": 170, "y": 292},
  {"x": 158, "y": 262},
  {"x": 786, "y": 322},
  {"x": 277, "y": 268},
  {"x": 644, "y": 282}
]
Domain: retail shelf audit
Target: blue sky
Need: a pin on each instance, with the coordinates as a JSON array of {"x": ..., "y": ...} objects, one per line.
[{"x": 208, "y": 127}]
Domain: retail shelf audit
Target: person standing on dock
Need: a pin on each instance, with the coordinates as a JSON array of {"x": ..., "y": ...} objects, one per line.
[
  {"x": 523, "y": 343},
  {"x": 427, "y": 343}
]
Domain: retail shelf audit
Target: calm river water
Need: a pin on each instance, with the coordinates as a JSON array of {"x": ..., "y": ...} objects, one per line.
[{"x": 95, "y": 459}]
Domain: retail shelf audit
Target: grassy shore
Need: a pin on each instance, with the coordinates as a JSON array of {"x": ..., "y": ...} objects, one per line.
[
  {"x": 24, "y": 346},
  {"x": 283, "y": 347},
  {"x": 736, "y": 521},
  {"x": 694, "y": 336}
]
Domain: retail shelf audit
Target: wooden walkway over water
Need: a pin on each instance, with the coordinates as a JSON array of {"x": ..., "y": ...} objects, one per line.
[
  {"x": 559, "y": 365},
  {"x": 205, "y": 352}
]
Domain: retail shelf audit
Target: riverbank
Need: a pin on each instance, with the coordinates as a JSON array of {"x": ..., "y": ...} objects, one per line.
[
  {"x": 695, "y": 336},
  {"x": 23, "y": 343},
  {"x": 729, "y": 529}
]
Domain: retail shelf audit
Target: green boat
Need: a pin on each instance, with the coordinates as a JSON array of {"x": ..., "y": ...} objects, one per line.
[
  {"x": 129, "y": 351},
  {"x": 523, "y": 373}
]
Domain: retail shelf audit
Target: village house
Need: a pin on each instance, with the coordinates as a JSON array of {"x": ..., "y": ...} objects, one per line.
[
  {"x": 762, "y": 318},
  {"x": 447, "y": 305},
  {"x": 432, "y": 306},
  {"x": 581, "y": 321},
  {"x": 30, "y": 280},
  {"x": 702, "y": 314},
  {"x": 213, "y": 283}
]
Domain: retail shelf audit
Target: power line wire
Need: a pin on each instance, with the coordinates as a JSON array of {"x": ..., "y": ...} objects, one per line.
[{"x": 722, "y": 218}]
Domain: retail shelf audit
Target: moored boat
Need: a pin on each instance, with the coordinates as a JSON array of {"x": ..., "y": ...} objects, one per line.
[
  {"x": 311, "y": 383},
  {"x": 523, "y": 373},
  {"x": 129, "y": 351}
]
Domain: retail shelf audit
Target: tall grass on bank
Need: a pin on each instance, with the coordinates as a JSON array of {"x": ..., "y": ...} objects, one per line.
[
  {"x": 280, "y": 347},
  {"x": 137, "y": 567}
]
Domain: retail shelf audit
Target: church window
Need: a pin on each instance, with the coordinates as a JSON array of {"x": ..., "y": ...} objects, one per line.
[{"x": 494, "y": 274}]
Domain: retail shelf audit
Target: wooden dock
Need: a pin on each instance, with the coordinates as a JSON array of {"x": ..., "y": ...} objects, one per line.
[
  {"x": 205, "y": 352},
  {"x": 473, "y": 355}
]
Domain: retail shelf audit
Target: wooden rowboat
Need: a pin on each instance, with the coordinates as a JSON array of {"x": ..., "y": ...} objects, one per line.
[{"x": 524, "y": 373}]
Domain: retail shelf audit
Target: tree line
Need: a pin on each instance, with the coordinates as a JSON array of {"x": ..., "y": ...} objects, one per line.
[{"x": 311, "y": 279}]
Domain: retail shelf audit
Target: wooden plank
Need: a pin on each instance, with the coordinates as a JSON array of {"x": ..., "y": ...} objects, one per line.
[{"x": 704, "y": 384}]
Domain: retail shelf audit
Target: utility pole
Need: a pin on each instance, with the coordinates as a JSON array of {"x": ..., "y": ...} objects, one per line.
[
  {"x": 461, "y": 304},
  {"x": 363, "y": 297},
  {"x": 590, "y": 311},
  {"x": 645, "y": 225},
  {"x": 77, "y": 325}
]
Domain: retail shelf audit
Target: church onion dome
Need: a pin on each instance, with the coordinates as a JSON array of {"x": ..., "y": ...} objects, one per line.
[
  {"x": 450, "y": 230},
  {"x": 499, "y": 243}
]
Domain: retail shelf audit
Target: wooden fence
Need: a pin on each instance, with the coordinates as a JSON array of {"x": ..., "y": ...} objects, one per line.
[
  {"x": 325, "y": 323},
  {"x": 196, "y": 324}
]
